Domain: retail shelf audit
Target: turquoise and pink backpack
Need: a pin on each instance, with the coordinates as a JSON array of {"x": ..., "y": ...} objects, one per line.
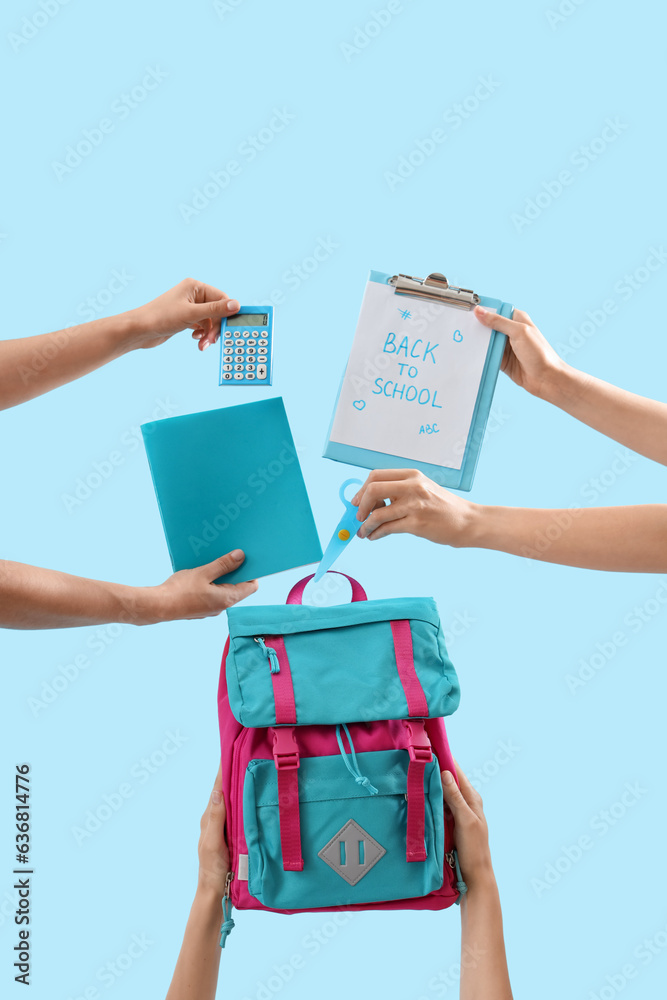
[{"x": 333, "y": 740}]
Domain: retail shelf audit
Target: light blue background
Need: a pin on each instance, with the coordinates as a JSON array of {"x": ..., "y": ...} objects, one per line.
[{"x": 528, "y": 625}]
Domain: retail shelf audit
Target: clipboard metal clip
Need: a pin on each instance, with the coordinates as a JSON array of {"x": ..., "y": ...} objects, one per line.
[{"x": 435, "y": 287}]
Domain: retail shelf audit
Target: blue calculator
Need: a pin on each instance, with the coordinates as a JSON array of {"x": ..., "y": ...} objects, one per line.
[{"x": 246, "y": 354}]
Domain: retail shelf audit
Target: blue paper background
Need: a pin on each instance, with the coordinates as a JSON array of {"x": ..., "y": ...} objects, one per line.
[{"x": 522, "y": 626}]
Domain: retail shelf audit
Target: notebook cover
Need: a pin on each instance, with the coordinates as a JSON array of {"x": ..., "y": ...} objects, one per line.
[{"x": 230, "y": 478}]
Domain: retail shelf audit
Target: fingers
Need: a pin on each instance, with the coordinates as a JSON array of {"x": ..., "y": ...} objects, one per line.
[
  {"x": 217, "y": 802},
  {"x": 224, "y": 595},
  {"x": 232, "y": 593},
  {"x": 382, "y": 475},
  {"x": 378, "y": 504},
  {"x": 400, "y": 525},
  {"x": 467, "y": 790},
  {"x": 381, "y": 489},
  {"x": 470, "y": 794},
  {"x": 382, "y": 516},
  {"x": 206, "y": 334},
  {"x": 212, "y": 836},
  {"x": 219, "y": 597},
  {"x": 228, "y": 593},
  {"x": 453, "y": 797},
  {"x": 508, "y": 354},
  {"x": 372, "y": 497},
  {"x": 209, "y": 306},
  {"x": 215, "y": 312},
  {"x": 214, "y": 798}
]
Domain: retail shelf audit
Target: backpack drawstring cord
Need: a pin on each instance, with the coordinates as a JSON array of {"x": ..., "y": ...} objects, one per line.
[{"x": 353, "y": 768}]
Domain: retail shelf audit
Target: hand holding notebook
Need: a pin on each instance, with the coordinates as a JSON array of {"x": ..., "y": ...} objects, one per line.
[{"x": 230, "y": 479}]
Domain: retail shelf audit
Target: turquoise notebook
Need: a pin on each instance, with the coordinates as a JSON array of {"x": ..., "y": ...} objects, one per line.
[{"x": 230, "y": 479}]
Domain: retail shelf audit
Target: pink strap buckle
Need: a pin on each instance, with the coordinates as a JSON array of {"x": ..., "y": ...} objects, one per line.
[
  {"x": 286, "y": 759},
  {"x": 285, "y": 749},
  {"x": 419, "y": 747}
]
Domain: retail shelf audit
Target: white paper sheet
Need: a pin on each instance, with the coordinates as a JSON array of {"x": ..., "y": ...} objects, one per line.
[{"x": 412, "y": 378}]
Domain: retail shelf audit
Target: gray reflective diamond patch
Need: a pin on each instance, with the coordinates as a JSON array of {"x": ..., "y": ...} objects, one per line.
[{"x": 352, "y": 852}]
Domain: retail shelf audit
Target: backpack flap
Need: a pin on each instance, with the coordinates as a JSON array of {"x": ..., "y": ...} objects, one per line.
[{"x": 362, "y": 662}]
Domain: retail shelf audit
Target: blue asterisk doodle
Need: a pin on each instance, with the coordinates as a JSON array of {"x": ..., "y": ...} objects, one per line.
[{"x": 405, "y": 313}]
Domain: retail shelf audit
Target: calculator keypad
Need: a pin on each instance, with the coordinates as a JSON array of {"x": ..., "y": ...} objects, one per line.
[{"x": 245, "y": 356}]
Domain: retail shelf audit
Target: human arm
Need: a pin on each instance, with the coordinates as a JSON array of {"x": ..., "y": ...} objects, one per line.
[
  {"x": 35, "y": 598},
  {"x": 196, "y": 973},
  {"x": 31, "y": 366},
  {"x": 635, "y": 421},
  {"x": 484, "y": 973},
  {"x": 622, "y": 539}
]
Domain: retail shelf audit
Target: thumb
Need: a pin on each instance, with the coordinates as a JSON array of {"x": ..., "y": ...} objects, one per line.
[
  {"x": 488, "y": 317},
  {"x": 217, "y": 814},
  {"x": 216, "y": 310},
  {"x": 214, "y": 832},
  {"x": 224, "y": 564},
  {"x": 452, "y": 795}
]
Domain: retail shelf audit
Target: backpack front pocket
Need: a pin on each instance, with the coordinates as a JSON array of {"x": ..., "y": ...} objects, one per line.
[{"x": 353, "y": 843}]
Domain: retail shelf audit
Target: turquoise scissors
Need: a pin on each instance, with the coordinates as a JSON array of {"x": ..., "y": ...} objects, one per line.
[{"x": 345, "y": 531}]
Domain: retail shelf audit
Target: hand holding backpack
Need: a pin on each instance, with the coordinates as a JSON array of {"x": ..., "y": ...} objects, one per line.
[{"x": 333, "y": 740}]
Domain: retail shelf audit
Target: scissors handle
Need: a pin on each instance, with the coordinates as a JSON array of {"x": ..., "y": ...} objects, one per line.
[
  {"x": 344, "y": 486},
  {"x": 345, "y": 531}
]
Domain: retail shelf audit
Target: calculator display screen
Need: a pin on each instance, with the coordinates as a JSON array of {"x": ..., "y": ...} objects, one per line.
[{"x": 248, "y": 319}]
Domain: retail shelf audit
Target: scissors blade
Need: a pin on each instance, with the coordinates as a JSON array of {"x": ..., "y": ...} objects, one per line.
[
  {"x": 348, "y": 525},
  {"x": 331, "y": 553}
]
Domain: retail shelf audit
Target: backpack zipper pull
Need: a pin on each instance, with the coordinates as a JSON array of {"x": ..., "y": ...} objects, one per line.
[
  {"x": 228, "y": 923},
  {"x": 270, "y": 652}
]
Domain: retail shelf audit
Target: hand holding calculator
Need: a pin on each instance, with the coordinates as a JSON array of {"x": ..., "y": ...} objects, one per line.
[{"x": 246, "y": 338}]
